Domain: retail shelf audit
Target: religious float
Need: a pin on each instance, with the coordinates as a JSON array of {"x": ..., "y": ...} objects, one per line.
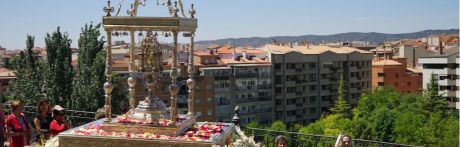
[{"x": 151, "y": 122}]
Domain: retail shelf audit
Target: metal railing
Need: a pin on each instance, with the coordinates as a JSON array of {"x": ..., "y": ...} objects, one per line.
[
  {"x": 267, "y": 138},
  {"x": 74, "y": 117}
]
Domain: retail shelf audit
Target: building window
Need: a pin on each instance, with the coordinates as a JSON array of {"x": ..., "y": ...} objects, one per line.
[
  {"x": 278, "y": 90},
  {"x": 277, "y": 66},
  {"x": 278, "y": 102},
  {"x": 197, "y": 101},
  {"x": 198, "y": 113},
  {"x": 209, "y": 100},
  {"x": 312, "y": 88},
  {"x": 396, "y": 75},
  {"x": 381, "y": 74},
  {"x": 209, "y": 112},
  {"x": 312, "y": 65},
  {"x": 434, "y": 66},
  {"x": 312, "y": 99},
  {"x": 409, "y": 83},
  {"x": 381, "y": 84},
  {"x": 312, "y": 110}
]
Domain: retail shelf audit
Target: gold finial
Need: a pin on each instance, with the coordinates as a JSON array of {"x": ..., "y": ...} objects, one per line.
[
  {"x": 108, "y": 9},
  {"x": 192, "y": 12},
  {"x": 175, "y": 9}
]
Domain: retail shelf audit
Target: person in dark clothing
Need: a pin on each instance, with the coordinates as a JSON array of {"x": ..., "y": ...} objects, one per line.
[{"x": 43, "y": 120}]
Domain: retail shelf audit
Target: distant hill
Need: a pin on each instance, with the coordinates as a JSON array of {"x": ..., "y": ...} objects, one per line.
[{"x": 373, "y": 38}]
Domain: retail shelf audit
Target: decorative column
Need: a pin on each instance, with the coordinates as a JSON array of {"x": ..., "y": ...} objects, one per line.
[
  {"x": 190, "y": 81},
  {"x": 108, "y": 72},
  {"x": 156, "y": 67},
  {"x": 131, "y": 80},
  {"x": 173, "y": 88}
]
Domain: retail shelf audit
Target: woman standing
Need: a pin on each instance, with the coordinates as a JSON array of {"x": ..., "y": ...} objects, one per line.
[
  {"x": 17, "y": 127},
  {"x": 43, "y": 120}
]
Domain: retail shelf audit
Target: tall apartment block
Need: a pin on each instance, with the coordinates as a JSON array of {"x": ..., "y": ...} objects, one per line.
[
  {"x": 305, "y": 79},
  {"x": 247, "y": 86},
  {"x": 444, "y": 68}
]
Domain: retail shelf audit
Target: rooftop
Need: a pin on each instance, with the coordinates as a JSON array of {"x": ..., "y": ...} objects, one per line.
[
  {"x": 311, "y": 49},
  {"x": 386, "y": 62}
]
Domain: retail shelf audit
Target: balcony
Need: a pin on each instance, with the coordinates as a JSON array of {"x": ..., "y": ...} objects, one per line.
[
  {"x": 325, "y": 70},
  {"x": 221, "y": 78},
  {"x": 267, "y": 86},
  {"x": 299, "y": 81},
  {"x": 279, "y": 96},
  {"x": 291, "y": 107},
  {"x": 298, "y": 70},
  {"x": 353, "y": 68},
  {"x": 291, "y": 119},
  {"x": 290, "y": 95},
  {"x": 325, "y": 103},
  {"x": 299, "y": 117},
  {"x": 252, "y": 99},
  {"x": 246, "y": 75},
  {"x": 290, "y": 83},
  {"x": 279, "y": 72},
  {"x": 290, "y": 72},
  {"x": 323, "y": 81},
  {"x": 256, "y": 111},
  {"x": 298, "y": 93},
  {"x": 333, "y": 90},
  {"x": 446, "y": 82},
  {"x": 298, "y": 105}
]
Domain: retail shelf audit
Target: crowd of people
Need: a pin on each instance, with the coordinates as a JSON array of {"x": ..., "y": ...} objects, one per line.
[{"x": 47, "y": 123}]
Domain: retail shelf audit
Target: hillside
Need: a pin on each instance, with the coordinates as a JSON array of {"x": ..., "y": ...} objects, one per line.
[{"x": 372, "y": 38}]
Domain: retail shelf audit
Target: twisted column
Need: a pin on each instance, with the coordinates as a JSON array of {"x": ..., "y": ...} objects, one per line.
[
  {"x": 131, "y": 80},
  {"x": 173, "y": 88},
  {"x": 108, "y": 72},
  {"x": 190, "y": 81}
]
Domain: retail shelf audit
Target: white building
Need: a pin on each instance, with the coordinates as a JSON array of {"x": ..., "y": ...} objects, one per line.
[{"x": 444, "y": 67}]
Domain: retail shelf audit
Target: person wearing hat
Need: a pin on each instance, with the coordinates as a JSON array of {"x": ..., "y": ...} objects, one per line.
[{"x": 58, "y": 124}]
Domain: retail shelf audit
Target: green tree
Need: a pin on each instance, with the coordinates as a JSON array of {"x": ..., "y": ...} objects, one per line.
[
  {"x": 382, "y": 124},
  {"x": 60, "y": 73},
  {"x": 119, "y": 94},
  {"x": 387, "y": 115},
  {"x": 88, "y": 93},
  {"x": 434, "y": 100},
  {"x": 341, "y": 106},
  {"x": 28, "y": 85},
  {"x": 278, "y": 126},
  {"x": 252, "y": 124}
]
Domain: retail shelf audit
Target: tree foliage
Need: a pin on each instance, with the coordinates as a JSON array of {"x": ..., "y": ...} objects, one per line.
[
  {"x": 341, "y": 106},
  {"x": 389, "y": 116},
  {"x": 28, "y": 85},
  {"x": 88, "y": 93},
  {"x": 60, "y": 74},
  {"x": 119, "y": 94}
]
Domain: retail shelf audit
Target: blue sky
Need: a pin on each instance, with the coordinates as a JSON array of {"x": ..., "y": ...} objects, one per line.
[{"x": 236, "y": 18}]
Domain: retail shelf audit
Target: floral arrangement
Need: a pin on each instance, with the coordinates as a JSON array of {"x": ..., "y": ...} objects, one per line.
[
  {"x": 204, "y": 132},
  {"x": 243, "y": 140},
  {"x": 128, "y": 120}
]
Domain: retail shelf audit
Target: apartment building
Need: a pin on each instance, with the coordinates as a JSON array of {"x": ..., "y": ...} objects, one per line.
[
  {"x": 395, "y": 73},
  {"x": 240, "y": 79},
  {"x": 306, "y": 78},
  {"x": 445, "y": 69}
]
